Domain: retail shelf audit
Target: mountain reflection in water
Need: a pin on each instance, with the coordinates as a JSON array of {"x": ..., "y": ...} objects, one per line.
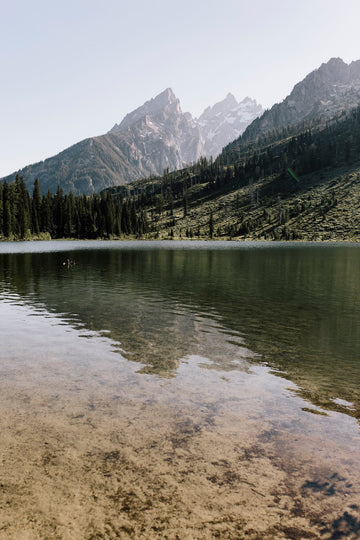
[{"x": 294, "y": 307}]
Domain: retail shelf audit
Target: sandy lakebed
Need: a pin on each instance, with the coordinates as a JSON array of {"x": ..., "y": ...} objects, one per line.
[{"x": 95, "y": 449}]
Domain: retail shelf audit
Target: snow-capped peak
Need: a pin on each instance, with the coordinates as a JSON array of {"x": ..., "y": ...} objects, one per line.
[{"x": 226, "y": 121}]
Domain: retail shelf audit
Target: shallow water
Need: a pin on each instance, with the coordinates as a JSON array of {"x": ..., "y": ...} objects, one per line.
[{"x": 180, "y": 390}]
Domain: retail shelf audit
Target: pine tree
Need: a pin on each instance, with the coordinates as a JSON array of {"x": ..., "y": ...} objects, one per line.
[
  {"x": 69, "y": 215},
  {"x": 185, "y": 203},
  {"x": 7, "y": 218},
  {"x": 125, "y": 219},
  {"x": 109, "y": 214},
  {"x": 20, "y": 210},
  {"x": 211, "y": 225},
  {"x": 46, "y": 219},
  {"x": 58, "y": 213},
  {"x": 36, "y": 208}
]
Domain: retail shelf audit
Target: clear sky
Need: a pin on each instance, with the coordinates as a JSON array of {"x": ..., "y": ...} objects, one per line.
[{"x": 70, "y": 69}]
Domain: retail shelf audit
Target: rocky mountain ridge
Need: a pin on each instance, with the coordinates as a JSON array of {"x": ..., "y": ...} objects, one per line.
[
  {"x": 154, "y": 137},
  {"x": 332, "y": 88},
  {"x": 226, "y": 121},
  {"x": 162, "y": 120},
  {"x": 158, "y": 136}
]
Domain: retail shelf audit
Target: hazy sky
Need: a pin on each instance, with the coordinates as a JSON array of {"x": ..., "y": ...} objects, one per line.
[{"x": 70, "y": 69}]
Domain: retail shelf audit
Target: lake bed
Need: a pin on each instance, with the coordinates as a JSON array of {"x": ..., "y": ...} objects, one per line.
[{"x": 196, "y": 390}]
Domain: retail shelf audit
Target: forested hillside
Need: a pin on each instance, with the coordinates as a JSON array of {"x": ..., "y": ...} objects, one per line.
[{"x": 293, "y": 184}]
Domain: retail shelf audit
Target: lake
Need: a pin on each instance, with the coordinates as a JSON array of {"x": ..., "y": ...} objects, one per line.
[{"x": 191, "y": 390}]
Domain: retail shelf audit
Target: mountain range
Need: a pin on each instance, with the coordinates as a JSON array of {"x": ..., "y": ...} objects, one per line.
[
  {"x": 155, "y": 137},
  {"x": 294, "y": 183},
  {"x": 158, "y": 136},
  {"x": 294, "y": 173}
]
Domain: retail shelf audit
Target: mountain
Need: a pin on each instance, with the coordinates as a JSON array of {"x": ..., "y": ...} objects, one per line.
[
  {"x": 293, "y": 184},
  {"x": 160, "y": 122},
  {"x": 225, "y": 121},
  {"x": 332, "y": 88},
  {"x": 300, "y": 187},
  {"x": 158, "y": 136},
  {"x": 155, "y": 137},
  {"x": 293, "y": 174}
]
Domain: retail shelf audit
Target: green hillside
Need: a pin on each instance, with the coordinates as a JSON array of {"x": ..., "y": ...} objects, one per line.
[{"x": 292, "y": 185}]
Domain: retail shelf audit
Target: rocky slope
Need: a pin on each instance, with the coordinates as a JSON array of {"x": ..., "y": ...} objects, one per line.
[
  {"x": 160, "y": 122},
  {"x": 326, "y": 91},
  {"x": 226, "y": 121}
]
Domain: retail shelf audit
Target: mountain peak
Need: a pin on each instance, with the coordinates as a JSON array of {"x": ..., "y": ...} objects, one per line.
[
  {"x": 166, "y": 100},
  {"x": 248, "y": 99},
  {"x": 231, "y": 99},
  {"x": 333, "y": 77},
  {"x": 167, "y": 95},
  {"x": 225, "y": 121},
  {"x": 334, "y": 61},
  {"x": 335, "y": 68}
]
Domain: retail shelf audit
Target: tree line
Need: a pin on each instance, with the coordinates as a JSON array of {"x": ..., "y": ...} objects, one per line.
[{"x": 24, "y": 215}]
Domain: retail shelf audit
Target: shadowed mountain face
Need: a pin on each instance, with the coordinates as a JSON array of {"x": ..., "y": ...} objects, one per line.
[
  {"x": 326, "y": 91},
  {"x": 154, "y": 137}
]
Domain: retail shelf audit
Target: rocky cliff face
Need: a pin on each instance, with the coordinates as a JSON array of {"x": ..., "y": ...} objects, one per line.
[
  {"x": 161, "y": 125},
  {"x": 333, "y": 87},
  {"x": 226, "y": 121}
]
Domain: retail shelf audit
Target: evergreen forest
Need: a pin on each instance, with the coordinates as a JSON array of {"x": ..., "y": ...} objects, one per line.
[{"x": 24, "y": 216}]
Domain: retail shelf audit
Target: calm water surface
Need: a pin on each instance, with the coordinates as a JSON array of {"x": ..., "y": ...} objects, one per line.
[
  {"x": 265, "y": 332},
  {"x": 294, "y": 307}
]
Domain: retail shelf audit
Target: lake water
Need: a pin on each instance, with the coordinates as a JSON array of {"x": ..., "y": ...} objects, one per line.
[{"x": 179, "y": 390}]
